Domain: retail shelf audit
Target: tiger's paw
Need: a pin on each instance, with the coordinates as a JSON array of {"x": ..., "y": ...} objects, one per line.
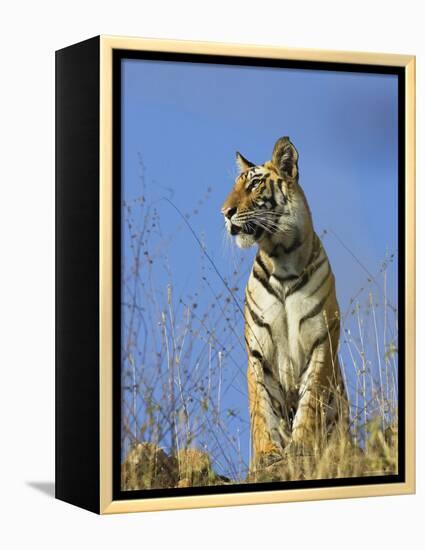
[
  {"x": 269, "y": 455},
  {"x": 267, "y": 460},
  {"x": 298, "y": 449}
]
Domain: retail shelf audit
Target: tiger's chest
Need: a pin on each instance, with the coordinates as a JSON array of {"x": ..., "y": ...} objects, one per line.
[{"x": 271, "y": 327}]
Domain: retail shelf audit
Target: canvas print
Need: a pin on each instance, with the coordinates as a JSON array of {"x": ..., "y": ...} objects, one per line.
[{"x": 259, "y": 275}]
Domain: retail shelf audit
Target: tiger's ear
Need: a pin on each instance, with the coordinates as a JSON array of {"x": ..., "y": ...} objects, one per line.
[
  {"x": 242, "y": 163},
  {"x": 285, "y": 158}
]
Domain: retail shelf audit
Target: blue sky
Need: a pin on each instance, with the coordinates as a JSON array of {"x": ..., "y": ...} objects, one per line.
[{"x": 186, "y": 121}]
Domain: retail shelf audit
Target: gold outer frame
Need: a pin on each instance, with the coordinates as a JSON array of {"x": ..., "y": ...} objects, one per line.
[{"x": 107, "y": 504}]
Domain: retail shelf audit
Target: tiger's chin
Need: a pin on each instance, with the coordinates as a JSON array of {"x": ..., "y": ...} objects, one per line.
[{"x": 244, "y": 240}]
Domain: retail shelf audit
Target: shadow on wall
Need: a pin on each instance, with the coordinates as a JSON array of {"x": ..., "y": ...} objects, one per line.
[{"x": 46, "y": 487}]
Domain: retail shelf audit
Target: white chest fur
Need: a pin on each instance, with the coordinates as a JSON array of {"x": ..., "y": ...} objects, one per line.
[{"x": 273, "y": 314}]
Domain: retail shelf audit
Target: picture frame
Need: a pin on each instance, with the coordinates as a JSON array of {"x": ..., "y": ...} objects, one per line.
[{"x": 91, "y": 245}]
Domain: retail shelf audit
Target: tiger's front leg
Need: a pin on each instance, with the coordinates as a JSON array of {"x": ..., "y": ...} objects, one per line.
[
  {"x": 270, "y": 430},
  {"x": 318, "y": 389}
]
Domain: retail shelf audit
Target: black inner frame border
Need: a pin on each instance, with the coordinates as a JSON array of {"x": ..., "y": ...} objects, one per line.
[{"x": 118, "y": 57}]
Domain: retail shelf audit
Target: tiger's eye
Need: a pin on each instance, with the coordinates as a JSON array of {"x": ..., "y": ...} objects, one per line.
[{"x": 254, "y": 184}]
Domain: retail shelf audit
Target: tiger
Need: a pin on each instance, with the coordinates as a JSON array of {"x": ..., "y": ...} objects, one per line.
[{"x": 296, "y": 390}]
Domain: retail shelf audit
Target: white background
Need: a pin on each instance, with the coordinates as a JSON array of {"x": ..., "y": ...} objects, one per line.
[{"x": 29, "y": 34}]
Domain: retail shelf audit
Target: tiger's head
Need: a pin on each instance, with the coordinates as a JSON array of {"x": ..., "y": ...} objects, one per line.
[{"x": 266, "y": 201}]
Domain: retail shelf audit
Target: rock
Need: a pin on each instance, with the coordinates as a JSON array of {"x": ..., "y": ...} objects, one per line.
[
  {"x": 147, "y": 466},
  {"x": 195, "y": 468}
]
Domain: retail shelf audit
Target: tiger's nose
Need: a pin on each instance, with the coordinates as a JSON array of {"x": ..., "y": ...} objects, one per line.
[{"x": 228, "y": 212}]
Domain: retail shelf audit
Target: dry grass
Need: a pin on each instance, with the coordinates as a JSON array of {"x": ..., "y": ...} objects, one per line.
[
  {"x": 184, "y": 368},
  {"x": 149, "y": 467},
  {"x": 339, "y": 458}
]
